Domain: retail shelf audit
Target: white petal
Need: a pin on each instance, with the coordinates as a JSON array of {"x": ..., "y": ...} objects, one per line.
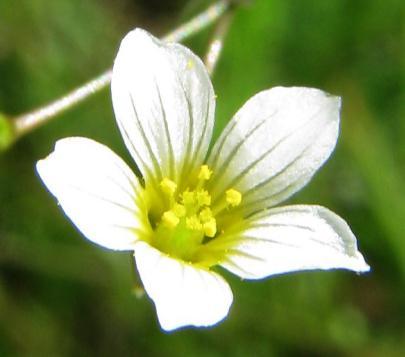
[
  {"x": 164, "y": 104},
  {"x": 293, "y": 238},
  {"x": 183, "y": 294},
  {"x": 97, "y": 191},
  {"x": 274, "y": 144}
]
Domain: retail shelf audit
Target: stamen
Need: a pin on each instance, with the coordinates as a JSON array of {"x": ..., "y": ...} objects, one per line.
[
  {"x": 206, "y": 214},
  {"x": 210, "y": 228},
  {"x": 193, "y": 223},
  {"x": 188, "y": 197},
  {"x": 168, "y": 186},
  {"x": 179, "y": 210},
  {"x": 170, "y": 219},
  {"x": 191, "y": 208},
  {"x": 188, "y": 220},
  {"x": 203, "y": 198},
  {"x": 233, "y": 197},
  {"x": 205, "y": 173}
]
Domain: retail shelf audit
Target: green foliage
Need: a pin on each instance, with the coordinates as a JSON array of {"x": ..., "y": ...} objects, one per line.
[
  {"x": 60, "y": 295},
  {"x": 6, "y": 132}
]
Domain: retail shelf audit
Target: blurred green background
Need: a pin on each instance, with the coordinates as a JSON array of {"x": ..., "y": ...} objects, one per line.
[{"x": 61, "y": 295}]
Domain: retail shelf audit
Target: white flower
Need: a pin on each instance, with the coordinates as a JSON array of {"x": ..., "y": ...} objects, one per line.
[{"x": 192, "y": 212}]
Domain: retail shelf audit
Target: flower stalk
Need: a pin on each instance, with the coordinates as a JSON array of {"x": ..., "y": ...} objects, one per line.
[
  {"x": 27, "y": 122},
  {"x": 217, "y": 42}
]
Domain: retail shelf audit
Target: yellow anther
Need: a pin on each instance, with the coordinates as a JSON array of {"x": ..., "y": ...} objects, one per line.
[
  {"x": 233, "y": 197},
  {"x": 168, "y": 186},
  {"x": 210, "y": 228},
  {"x": 193, "y": 223},
  {"x": 188, "y": 198},
  {"x": 179, "y": 210},
  {"x": 205, "y": 173},
  {"x": 170, "y": 219},
  {"x": 205, "y": 214},
  {"x": 203, "y": 198}
]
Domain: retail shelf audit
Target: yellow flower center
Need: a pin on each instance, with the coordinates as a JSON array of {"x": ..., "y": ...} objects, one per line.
[{"x": 189, "y": 221}]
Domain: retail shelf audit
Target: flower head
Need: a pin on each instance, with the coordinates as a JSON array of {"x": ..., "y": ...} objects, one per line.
[{"x": 193, "y": 212}]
